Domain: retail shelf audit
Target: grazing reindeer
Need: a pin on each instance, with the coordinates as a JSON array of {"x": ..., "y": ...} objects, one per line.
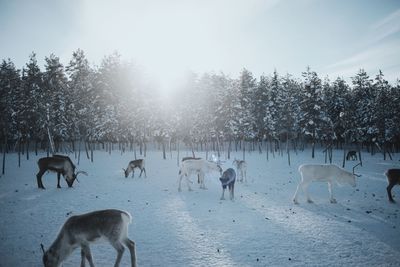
[
  {"x": 351, "y": 155},
  {"x": 329, "y": 173},
  {"x": 59, "y": 164},
  {"x": 241, "y": 167},
  {"x": 198, "y": 166},
  {"x": 198, "y": 175},
  {"x": 228, "y": 179},
  {"x": 81, "y": 230},
  {"x": 137, "y": 163},
  {"x": 393, "y": 176}
]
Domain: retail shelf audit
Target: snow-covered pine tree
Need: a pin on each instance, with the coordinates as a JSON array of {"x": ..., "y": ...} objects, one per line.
[
  {"x": 55, "y": 95},
  {"x": 311, "y": 107},
  {"x": 362, "y": 126},
  {"x": 382, "y": 113},
  {"x": 81, "y": 97},
  {"x": 262, "y": 118},
  {"x": 247, "y": 86},
  {"x": 288, "y": 106},
  {"x": 336, "y": 99},
  {"x": 32, "y": 83},
  {"x": 10, "y": 85}
]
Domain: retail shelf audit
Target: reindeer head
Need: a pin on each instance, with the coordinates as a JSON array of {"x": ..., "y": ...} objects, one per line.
[
  {"x": 125, "y": 172},
  {"x": 70, "y": 181},
  {"x": 50, "y": 258}
]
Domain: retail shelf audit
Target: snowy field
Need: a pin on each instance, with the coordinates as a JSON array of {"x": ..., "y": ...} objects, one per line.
[{"x": 262, "y": 227}]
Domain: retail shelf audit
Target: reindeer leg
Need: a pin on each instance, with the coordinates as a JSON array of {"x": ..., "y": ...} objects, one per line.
[
  {"x": 83, "y": 260},
  {"x": 120, "y": 250},
  {"x": 145, "y": 174},
  {"x": 39, "y": 179},
  {"x": 188, "y": 183},
  {"x": 223, "y": 192},
  {"x": 180, "y": 181},
  {"x": 133, "y": 173},
  {"x": 131, "y": 246},
  {"x": 331, "y": 198},
  {"x": 85, "y": 251},
  {"x": 232, "y": 191},
  {"x": 389, "y": 192},
  {"x": 296, "y": 194},
  {"x": 58, "y": 179},
  {"x": 305, "y": 187}
]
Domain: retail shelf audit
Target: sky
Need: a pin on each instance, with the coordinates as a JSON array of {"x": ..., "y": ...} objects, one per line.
[{"x": 170, "y": 38}]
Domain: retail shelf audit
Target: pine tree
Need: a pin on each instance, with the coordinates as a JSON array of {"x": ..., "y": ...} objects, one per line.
[
  {"x": 362, "y": 126},
  {"x": 381, "y": 112},
  {"x": 311, "y": 107},
  {"x": 247, "y": 86},
  {"x": 336, "y": 99},
  {"x": 10, "y": 86},
  {"x": 55, "y": 96},
  {"x": 33, "y": 114},
  {"x": 80, "y": 95}
]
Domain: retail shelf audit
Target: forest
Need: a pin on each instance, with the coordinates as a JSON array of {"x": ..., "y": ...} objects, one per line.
[{"x": 63, "y": 106}]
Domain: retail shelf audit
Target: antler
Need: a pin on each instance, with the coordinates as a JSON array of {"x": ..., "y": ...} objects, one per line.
[
  {"x": 76, "y": 175},
  {"x": 41, "y": 245},
  {"x": 358, "y": 175}
]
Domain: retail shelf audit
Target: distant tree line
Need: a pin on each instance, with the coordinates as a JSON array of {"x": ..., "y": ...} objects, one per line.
[{"x": 115, "y": 102}]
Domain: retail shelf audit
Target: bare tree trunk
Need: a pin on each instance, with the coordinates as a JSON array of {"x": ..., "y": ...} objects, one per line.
[
  {"x": 344, "y": 158},
  {"x": 87, "y": 149},
  {"x": 4, "y": 153},
  {"x": 19, "y": 153},
  {"x": 91, "y": 151},
  {"x": 79, "y": 152},
  {"x": 27, "y": 149},
  {"x": 163, "y": 149},
  {"x": 244, "y": 150},
  {"x": 177, "y": 156},
  {"x": 229, "y": 148}
]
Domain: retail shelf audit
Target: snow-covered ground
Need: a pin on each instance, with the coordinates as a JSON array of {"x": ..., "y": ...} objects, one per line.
[{"x": 262, "y": 227}]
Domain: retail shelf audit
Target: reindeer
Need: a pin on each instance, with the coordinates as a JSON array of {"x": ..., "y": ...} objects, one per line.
[
  {"x": 241, "y": 167},
  {"x": 329, "y": 173},
  {"x": 81, "y": 230},
  {"x": 393, "y": 177},
  {"x": 351, "y": 155},
  {"x": 137, "y": 163},
  {"x": 186, "y": 158},
  {"x": 59, "y": 164},
  {"x": 228, "y": 179},
  {"x": 199, "y": 166}
]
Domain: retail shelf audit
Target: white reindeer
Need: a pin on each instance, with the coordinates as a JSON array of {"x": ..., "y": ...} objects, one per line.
[
  {"x": 81, "y": 230},
  {"x": 196, "y": 166},
  {"x": 241, "y": 168},
  {"x": 137, "y": 163},
  {"x": 329, "y": 173}
]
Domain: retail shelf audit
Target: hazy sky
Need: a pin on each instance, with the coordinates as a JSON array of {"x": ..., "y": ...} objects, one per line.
[{"x": 170, "y": 37}]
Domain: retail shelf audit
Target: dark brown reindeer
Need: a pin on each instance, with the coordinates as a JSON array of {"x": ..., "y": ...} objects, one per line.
[
  {"x": 59, "y": 164},
  {"x": 137, "y": 163},
  {"x": 393, "y": 176}
]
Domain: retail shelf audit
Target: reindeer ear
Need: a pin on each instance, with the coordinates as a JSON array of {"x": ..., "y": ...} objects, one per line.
[{"x": 41, "y": 245}]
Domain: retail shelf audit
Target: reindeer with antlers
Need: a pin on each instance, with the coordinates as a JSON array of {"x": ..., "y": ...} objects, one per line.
[
  {"x": 329, "y": 173},
  {"x": 61, "y": 165}
]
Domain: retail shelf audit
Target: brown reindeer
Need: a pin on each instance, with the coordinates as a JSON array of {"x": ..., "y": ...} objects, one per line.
[
  {"x": 393, "y": 177},
  {"x": 59, "y": 164}
]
